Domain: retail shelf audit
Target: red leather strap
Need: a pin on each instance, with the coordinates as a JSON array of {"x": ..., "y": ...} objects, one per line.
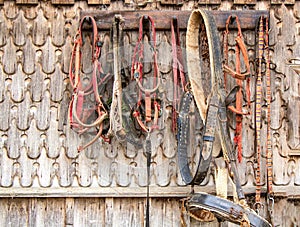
[
  {"x": 178, "y": 68},
  {"x": 240, "y": 48},
  {"x": 137, "y": 74},
  {"x": 79, "y": 115}
]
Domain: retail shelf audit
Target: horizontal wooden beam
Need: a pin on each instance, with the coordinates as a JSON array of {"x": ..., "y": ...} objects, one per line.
[
  {"x": 248, "y": 18},
  {"x": 118, "y": 192}
]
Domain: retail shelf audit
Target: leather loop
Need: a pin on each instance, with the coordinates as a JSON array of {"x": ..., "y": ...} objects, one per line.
[{"x": 208, "y": 107}]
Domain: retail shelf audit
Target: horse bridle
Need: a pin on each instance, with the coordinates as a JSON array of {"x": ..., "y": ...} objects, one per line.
[{"x": 77, "y": 115}]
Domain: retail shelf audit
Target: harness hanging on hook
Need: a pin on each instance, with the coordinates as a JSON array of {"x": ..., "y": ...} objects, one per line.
[
  {"x": 179, "y": 80},
  {"x": 240, "y": 47},
  {"x": 84, "y": 116},
  {"x": 150, "y": 99}
]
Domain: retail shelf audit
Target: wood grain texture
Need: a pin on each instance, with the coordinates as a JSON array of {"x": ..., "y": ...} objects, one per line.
[{"x": 248, "y": 18}]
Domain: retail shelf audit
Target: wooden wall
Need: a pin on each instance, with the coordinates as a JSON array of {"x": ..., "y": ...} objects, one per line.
[{"x": 39, "y": 158}]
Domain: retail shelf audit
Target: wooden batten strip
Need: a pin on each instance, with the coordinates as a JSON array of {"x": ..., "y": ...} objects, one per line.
[
  {"x": 244, "y": 2},
  {"x": 248, "y": 18},
  {"x": 98, "y": 2},
  {"x": 26, "y": 1},
  {"x": 279, "y": 2},
  {"x": 210, "y": 2},
  {"x": 62, "y": 2}
]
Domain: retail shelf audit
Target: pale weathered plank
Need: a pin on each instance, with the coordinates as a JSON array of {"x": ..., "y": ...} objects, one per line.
[
  {"x": 13, "y": 141},
  {"x": 4, "y": 29},
  {"x": 18, "y": 85},
  {"x": 33, "y": 142},
  {"x": 29, "y": 57},
  {"x": 288, "y": 26},
  {"x": 63, "y": 111},
  {"x": 66, "y": 53},
  {"x": 9, "y": 57},
  {"x": 18, "y": 212},
  {"x": 37, "y": 85},
  {"x": 39, "y": 29},
  {"x": 10, "y": 11},
  {"x": 26, "y": 168},
  {"x": 43, "y": 112},
  {"x": 5, "y": 116},
  {"x": 53, "y": 143},
  {"x": 23, "y": 120},
  {"x": 45, "y": 169},
  {"x": 55, "y": 212},
  {"x": 48, "y": 57},
  {"x": 89, "y": 212},
  {"x": 58, "y": 29},
  {"x": 57, "y": 85},
  {"x": 19, "y": 30}
]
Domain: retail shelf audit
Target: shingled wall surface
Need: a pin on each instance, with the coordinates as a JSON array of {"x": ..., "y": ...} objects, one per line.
[{"x": 39, "y": 151}]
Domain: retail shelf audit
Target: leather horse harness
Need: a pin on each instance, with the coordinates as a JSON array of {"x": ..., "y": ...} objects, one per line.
[
  {"x": 209, "y": 94},
  {"x": 87, "y": 116},
  {"x": 206, "y": 95}
]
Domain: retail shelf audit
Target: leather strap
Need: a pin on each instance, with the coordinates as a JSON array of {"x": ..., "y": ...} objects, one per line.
[
  {"x": 258, "y": 101},
  {"x": 240, "y": 47},
  {"x": 78, "y": 114},
  {"x": 179, "y": 81},
  {"x": 137, "y": 75},
  {"x": 226, "y": 210},
  {"x": 207, "y": 88},
  {"x": 270, "y": 192},
  {"x": 200, "y": 21}
]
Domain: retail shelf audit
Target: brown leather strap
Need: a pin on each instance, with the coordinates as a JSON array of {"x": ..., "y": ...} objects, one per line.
[
  {"x": 258, "y": 114},
  {"x": 240, "y": 48}
]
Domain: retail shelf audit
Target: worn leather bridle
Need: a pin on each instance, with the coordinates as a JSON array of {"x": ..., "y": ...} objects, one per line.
[
  {"x": 137, "y": 75},
  {"x": 240, "y": 47},
  {"x": 79, "y": 115}
]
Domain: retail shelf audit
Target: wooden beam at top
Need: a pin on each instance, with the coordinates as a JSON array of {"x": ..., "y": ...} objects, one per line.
[
  {"x": 27, "y": 1},
  {"x": 62, "y": 2},
  {"x": 248, "y": 18}
]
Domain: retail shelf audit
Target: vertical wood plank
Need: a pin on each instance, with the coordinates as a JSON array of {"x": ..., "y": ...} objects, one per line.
[
  {"x": 18, "y": 212},
  {"x": 4, "y": 211},
  {"x": 69, "y": 212},
  {"x": 109, "y": 212},
  {"x": 55, "y": 212},
  {"x": 89, "y": 212}
]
